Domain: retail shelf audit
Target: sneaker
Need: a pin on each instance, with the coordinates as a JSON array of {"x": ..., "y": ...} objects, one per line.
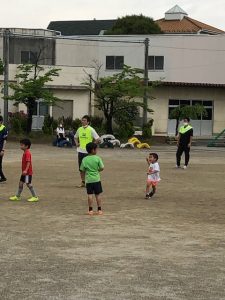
[
  {"x": 147, "y": 196},
  {"x": 3, "y": 179},
  {"x": 100, "y": 212},
  {"x": 33, "y": 199},
  {"x": 82, "y": 185},
  {"x": 14, "y": 198},
  {"x": 178, "y": 167},
  {"x": 184, "y": 167},
  {"x": 90, "y": 213}
]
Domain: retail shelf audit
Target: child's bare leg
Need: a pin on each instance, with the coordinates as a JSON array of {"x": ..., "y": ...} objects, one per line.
[
  {"x": 90, "y": 202},
  {"x": 99, "y": 203},
  {"x": 153, "y": 191},
  {"x": 148, "y": 186}
]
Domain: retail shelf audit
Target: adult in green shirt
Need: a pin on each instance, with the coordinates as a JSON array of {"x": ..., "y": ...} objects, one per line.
[
  {"x": 84, "y": 135},
  {"x": 184, "y": 142}
]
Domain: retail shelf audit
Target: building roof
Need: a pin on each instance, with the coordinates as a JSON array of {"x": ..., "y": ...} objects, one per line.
[
  {"x": 186, "y": 25},
  {"x": 176, "y": 21},
  {"x": 89, "y": 27},
  {"x": 176, "y": 9},
  {"x": 190, "y": 84}
]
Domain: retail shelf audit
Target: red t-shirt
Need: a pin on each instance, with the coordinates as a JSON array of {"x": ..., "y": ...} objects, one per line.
[{"x": 27, "y": 158}]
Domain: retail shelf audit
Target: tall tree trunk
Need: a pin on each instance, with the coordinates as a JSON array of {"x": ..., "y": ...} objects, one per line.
[
  {"x": 30, "y": 112},
  {"x": 109, "y": 128}
]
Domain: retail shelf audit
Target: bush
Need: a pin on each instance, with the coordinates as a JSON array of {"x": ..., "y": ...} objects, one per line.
[
  {"x": 18, "y": 122},
  {"x": 76, "y": 124},
  {"x": 147, "y": 129},
  {"x": 49, "y": 125},
  {"x": 97, "y": 122},
  {"x": 125, "y": 131}
]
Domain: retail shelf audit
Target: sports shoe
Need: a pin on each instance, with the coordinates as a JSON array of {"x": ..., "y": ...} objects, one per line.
[
  {"x": 100, "y": 212},
  {"x": 33, "y": 199},
  {"x": 147, "y": 196},
  {"x": 178, "y": 167},
  {"x": 3, "y": 179},
  {"x": 14, "y": 198},
  {"x": 184, "y": 167},
  {"x": 90, "y": 213},
  {"x": 82, "y": 185}
]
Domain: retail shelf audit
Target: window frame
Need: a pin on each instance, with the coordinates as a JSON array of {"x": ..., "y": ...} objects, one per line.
[
  {"x": 31, "y": 57},
  {"x": 114, "y": 63},
  {"x": 154, "y": 67}
]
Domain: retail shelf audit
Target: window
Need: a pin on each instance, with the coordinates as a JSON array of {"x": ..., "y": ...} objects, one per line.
[
  {"x": 156, "y": 62},
  {"x": 28, "y": 57},
  {"x": 114, "y": 62},
  {"x": 41, "y": 109},
  {"x": 173, "y": 103},
  {"x": 185, "y": 102}
]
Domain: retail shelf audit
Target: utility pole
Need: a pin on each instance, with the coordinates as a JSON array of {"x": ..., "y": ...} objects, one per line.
[
  {"x": 145, "y": 98},
  {"x": 90, "y": 97},
  {"x": 6, "y": 35}
]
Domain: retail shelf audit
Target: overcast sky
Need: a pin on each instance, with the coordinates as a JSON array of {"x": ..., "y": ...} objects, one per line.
[{"x": 38, "y": 13}]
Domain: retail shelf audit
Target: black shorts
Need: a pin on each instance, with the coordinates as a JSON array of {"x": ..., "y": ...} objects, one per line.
[
  {"x": 94, "y": 188},
  {"x": 26, "y": 178},
  {"x": 80, "y": 158}
]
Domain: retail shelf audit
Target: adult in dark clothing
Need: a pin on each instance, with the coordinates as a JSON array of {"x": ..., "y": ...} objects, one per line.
[
  {"x": 3, "y": 138},
  {"x": 184, "y": 142}
]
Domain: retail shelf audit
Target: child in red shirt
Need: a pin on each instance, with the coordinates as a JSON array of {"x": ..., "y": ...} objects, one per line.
[{"x": 27, "y": 172}]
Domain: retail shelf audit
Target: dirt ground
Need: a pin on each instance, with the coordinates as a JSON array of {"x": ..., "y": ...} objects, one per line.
[{"x": 169, "y": 247}]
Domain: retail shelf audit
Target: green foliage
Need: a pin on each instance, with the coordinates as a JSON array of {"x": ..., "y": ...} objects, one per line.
[
  {"x": 96, "y": 121},
  {"x": 49, "y": 125},
  {"x": 1, "y": 67},
  {"x": 147, "y": 129},
  {"x": 192, "y": 112},
  {"x": 116, "y": 95},
  {"x": 30, "y": 87},
  {"x": 125, "y": 131},
  {"x": 76, "y": 124},
  {"x": 18, "y": 122},
  {"x": 134, "y": 24},
  {"x": 128, "y": 115}
]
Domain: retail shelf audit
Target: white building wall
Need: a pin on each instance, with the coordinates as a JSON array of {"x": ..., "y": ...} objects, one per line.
[
  {"x": 67, "y": 86},
  {"x": 187, "y": 58}
]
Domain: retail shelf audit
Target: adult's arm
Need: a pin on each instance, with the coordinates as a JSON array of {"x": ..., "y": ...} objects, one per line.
[
  {"x": 178, "y": 139},
  {"x": 4, "y": 142},
  {"x": 76, "y": 139},
  {"x": 191, "y": 138},
  {"x": 95, "y": 136}
]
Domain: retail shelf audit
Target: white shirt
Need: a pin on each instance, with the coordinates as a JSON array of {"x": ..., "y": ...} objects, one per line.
[
  {"x": 155, "y": 176},
  {"x": 60, "y": 130},
  {"x": 94, "y": 135}
]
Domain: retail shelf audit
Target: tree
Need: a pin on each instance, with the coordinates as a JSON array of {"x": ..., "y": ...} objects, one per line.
[
  {"x": 183, "y": 111},
  {"x": 30, "y": 87},
  {"x": 1, "y": 67},
  {"x": 117, "y": 95},
  {"x": 134, "y": 24}
]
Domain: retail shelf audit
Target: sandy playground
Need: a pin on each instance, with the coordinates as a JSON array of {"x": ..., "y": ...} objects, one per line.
[{"x": 170, "y": 247}]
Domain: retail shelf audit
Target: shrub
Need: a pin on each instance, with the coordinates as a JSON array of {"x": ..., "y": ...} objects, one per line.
[
  {"x": 76, "y": 124},
  {"x": 67, "y": 123},
  {"x": 125, "y": 131},
  {"x": 97, "y": 122},
  {"x": 49, "y": 125},
  {"x": 147, "y": 129},
  {"x": 18, "y": 122}
]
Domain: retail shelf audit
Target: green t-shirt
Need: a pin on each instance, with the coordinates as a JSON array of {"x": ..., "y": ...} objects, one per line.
[{"x": 91, "y": 165}]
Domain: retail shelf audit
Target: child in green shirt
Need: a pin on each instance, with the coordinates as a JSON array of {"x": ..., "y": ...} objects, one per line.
[{"x": 91, "y": 165}]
